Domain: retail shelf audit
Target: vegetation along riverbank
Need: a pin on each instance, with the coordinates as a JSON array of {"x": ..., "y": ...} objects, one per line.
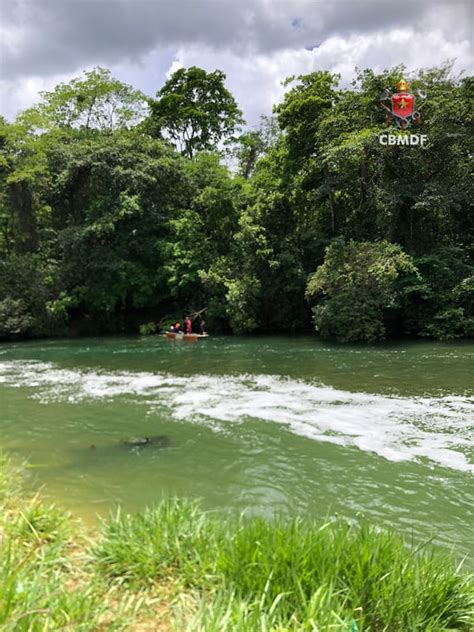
[
  {"x": 175, "y": 567},
  {"x": 118, "y": 210}
]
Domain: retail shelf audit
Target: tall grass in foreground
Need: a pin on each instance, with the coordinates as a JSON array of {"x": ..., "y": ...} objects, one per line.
[
  {"x": 176, "y": 565},
  {"x": 40, "y": 587},
  {"x": 33, "y": 572},
  {"x": 224, "y": 611},
  {"x": 256, "y": 575},
  {"x": 34, "y": 600}
]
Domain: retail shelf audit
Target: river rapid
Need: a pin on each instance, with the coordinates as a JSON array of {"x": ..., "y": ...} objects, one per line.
[{"x": 268, "y": 425}]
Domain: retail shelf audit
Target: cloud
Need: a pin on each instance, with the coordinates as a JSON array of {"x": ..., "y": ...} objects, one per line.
[
  {"x": 49, "y": 37},
  {"x": 257, "y": 43},
  {"x": 256, "y": 80},
  {"x": 385, "y": 49}
]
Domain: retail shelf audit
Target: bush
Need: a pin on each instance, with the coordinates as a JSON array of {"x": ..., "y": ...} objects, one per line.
[
  {"x": 443, "y": 307},
  {"x": 28, "y": 289},
  {"x": 147, "y": 329},
  {"x": 356, "y": 287},
  {"x": 15, "y": 321}
]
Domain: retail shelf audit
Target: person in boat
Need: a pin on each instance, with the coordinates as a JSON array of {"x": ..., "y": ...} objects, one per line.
[
  {"x": 188, "y": 324},
  {"x": 202, "y": 327},
  {"x": 177, "y": 328}
]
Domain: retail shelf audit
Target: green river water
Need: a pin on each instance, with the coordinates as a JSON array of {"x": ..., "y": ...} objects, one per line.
[{"x": 267, "y": 425}]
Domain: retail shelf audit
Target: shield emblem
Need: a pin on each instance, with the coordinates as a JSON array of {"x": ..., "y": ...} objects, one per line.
[{"x": 403, "y": 104}]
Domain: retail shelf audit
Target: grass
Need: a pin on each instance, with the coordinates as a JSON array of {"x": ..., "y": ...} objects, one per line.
[
  {"x": 33, "y": 570},
  {"x": 45, "y": 582},
  {"x": 169, "y": 541},
  {"x": 293, "y": 574},
  {"x": 175, "y": 567}
]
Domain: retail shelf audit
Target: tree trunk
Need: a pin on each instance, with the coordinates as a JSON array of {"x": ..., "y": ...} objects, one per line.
[
  {"x": 25, "y": 234},
  {"x": 331, "y": 199}
]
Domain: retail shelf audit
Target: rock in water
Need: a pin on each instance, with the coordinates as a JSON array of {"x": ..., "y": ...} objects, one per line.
[
  {"x": 158, "y": 441},
  {"x": 135, "y": 442}
]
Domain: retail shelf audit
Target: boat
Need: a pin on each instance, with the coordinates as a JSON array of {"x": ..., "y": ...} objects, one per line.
[{"x": 171, "y": 335}]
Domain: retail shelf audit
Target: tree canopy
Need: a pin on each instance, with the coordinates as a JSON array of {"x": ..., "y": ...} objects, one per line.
[
  {"x": 196, "y": 110},
  {"x": 94, "y": 101}
]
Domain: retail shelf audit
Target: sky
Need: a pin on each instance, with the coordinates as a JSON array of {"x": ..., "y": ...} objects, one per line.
[{"x": 257, "y": 43}]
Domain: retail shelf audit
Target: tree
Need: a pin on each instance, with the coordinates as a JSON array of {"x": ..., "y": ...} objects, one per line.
[
  {"x": 14, "y": 319},
  {"x": 345, "y": 183},
  {"x": 102, "y": 220},
  {"x": 22, "y": 173},
  {"x": 356, "y": 285},
  {"x": 249, "y": 148},
  {"x": 443, "y": 306},
  {"x": 197, "y": 236},
  {"x": 94, "y": 101},
  {"x": 260, "y": 278},
  {"x": 253, "y": 144},
  {"x": 195, "y": 109},
  {"x": 27, "y": 285},
  {"x": 303, "y": 109},
  {"x": 111, "y": 198}
]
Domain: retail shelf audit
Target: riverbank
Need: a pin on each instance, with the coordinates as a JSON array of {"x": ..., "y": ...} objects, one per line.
[{"x": 175, "y": 567}]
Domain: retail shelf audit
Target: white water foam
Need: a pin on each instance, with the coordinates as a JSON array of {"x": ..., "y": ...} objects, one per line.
[{"x": 396, "y": 428}]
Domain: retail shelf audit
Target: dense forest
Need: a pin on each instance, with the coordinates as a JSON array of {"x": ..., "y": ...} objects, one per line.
[{"x": 118, "y": 210}]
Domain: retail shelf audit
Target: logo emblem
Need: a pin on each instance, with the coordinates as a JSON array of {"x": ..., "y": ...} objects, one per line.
[{"x": 402, "y": 105}]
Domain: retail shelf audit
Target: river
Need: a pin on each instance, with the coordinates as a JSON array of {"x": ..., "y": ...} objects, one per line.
[{"x": 271, "y": 425}]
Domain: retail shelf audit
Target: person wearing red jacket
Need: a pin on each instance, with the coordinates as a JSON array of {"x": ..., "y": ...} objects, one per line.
[{"x": 189, "y": 325}]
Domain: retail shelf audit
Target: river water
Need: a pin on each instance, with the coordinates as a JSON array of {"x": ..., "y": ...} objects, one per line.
[{"x": 267, "y": 425}]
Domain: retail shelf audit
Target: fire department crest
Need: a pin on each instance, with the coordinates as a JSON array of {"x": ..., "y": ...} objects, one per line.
[{"x": 400, "y": 105}]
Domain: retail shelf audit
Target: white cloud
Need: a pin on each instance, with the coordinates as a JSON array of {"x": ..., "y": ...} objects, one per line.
[
  {"x": 256, "y": 80},
  {"x": 16, "y": 96},
  {"x": 256, "y": 43},
  {"x": 386, "y": 49}
]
